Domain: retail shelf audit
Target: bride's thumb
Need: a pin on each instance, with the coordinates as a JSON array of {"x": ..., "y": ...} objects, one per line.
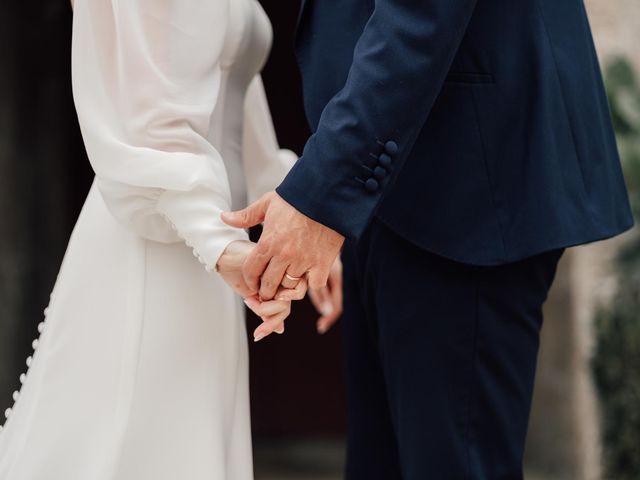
[{"x": 247, "y": 217}]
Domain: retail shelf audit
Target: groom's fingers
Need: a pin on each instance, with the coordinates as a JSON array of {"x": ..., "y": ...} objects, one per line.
[
  {"x": 272, "y": 278},
  {"x": 291, "y": 294},
  {"x": 254, "y": 266},
  {"x": 287, "y": 282},
  {"x": 320, "y": 299},
  {"x": 337, "y": 291},
  {"x": 250, "y": 216},
  {"x": 331, "y": 317},
  {"x": 318, "y": 276}
]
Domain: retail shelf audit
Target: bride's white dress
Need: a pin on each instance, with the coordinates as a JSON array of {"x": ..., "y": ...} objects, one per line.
[{"x": 140, "y": 370}]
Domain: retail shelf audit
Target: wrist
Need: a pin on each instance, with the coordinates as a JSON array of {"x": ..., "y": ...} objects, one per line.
[{"x": 233, "y": 256}]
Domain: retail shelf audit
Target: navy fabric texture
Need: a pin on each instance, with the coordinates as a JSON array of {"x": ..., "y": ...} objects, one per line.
[
  {"x": 476, "y": 129},
  {"x": 440, "y": 360}
]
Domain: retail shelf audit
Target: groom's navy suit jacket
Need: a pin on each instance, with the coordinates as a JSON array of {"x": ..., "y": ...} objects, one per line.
[{"x": 476, "y": 129}]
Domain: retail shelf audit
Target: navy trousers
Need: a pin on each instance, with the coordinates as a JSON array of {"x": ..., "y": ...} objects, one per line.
[{"x": 441, "y": 359}]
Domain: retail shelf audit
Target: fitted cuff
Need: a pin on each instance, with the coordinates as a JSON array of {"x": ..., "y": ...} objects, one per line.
[{"x": 195, "y": 216}]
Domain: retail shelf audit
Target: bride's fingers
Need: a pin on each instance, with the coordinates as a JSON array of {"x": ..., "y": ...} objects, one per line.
[
  {"x": 272, "y": 324},
  {"x": 282, "y": 316},
  {"x": 291, "y": 294},
  {"x": 266, "y": 309}
]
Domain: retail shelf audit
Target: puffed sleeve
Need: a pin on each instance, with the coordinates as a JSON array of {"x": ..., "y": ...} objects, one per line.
[
  {"x": 265, "y": 163},
  {"x": 146, "y": 77}
]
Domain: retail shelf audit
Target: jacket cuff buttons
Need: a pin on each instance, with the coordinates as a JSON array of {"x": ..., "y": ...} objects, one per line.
[
  {"x": 391, "y": 148},
  {"x": 384, "y": 160},
  {"x": 371, "y": 185},
  {"x": 379, "y": 173},
  {"x": 383, "y": 164}
]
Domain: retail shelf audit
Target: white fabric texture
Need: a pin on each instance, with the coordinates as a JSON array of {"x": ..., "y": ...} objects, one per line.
[{"x": 141, "y": 369}]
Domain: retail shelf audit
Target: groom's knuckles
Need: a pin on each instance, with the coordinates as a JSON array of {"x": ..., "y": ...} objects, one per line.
[
  {"x": 300, "y": 291},
  {"x": 272, "y": 278},
  {"x": 267, "y": 289},
  {"x": 319, "y": 275},
  {"x": 253, "y": 267},
  {"x": 263, "y": 249},
  {"x": 285, "y": 253}
]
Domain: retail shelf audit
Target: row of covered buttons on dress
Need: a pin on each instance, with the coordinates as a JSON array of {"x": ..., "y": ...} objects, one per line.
[
  {"x": 23, "y": 376},
  {"x": 382, "y": 166},
  {"x": 207, "y": 267}
]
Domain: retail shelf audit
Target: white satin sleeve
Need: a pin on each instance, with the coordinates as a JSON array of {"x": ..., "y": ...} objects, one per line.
[
  {"x": 265, "y": 163},
  {"x": 146, "y": 77}
]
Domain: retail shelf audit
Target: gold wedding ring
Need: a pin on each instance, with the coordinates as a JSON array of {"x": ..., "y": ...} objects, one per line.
[{"x": 292, "y": 278}]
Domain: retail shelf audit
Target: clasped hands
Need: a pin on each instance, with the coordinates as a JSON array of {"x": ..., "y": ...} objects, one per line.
[{"x": 292, "y": 247}]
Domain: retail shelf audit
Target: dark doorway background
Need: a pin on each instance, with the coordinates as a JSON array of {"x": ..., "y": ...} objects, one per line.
[{"x": 296, "y": 379}]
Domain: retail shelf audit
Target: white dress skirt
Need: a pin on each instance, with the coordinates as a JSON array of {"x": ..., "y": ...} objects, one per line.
[{"x": 141, "y": 371}]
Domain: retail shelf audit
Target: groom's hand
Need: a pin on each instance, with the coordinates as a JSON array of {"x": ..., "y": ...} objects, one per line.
[{"x": 291, "y": 243}]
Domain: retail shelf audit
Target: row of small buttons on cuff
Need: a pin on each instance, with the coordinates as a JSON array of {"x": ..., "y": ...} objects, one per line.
[
  {"x": 207, "y": 267},
  {"x": 381, "y": 168}
]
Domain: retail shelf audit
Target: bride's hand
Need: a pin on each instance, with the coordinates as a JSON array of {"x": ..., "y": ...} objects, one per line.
[
  {"x": 274, "y": 312},
  {"x": 230, "y": 266}
]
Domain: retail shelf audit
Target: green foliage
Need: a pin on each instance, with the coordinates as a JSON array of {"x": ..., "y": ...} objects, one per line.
[
  {"x": 623, "y": 89},
  {"x": 616, "y": 363},
  {"x": 617, "y": 372}
]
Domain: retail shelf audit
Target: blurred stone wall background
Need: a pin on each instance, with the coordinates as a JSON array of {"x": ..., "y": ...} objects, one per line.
[
  {"x": 616, "y": 28},
  {"x": 564, "y": 434}
]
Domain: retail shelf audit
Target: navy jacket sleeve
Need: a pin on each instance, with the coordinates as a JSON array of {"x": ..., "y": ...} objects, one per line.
[{"x": 368, "y": 128}]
